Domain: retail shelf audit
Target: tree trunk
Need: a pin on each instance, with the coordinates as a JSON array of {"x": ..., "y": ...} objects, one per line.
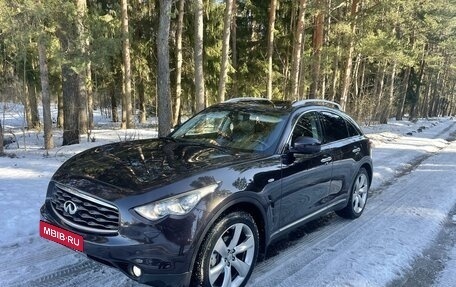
[
  {"x": 225, "y": 50},
  {"x": 60, "y": 118},
  {"x": 403, "y": 96},
  {"x": 335, "y": 74},
  {"x": 180, "y": 25},
  {"x": 198, "y": 55},
  {"x": 414, "y": 110},
  {"x": 29, "y": 101},
  {"x": 70, "y": 86},
  {"x": 271, "y": 27},
  {"x": 89, "y": 94},
  {"x": 114, "y": 91},
  {"x": 25, "y": 96},
  {"x": 434, "y": 97},
  {"x": 437, "y": 95},
  {"x": 384, "y": 116},
  {"x": 360, "y": 92},
  {"x": 82, "y": 75},
  {"x": 357, "y": 78},
  {"x": 426, "y": 108},
  {"x": 123, "y": 105},
  {"x": 45, "y": 96},
  {"x": 163, "y": 89},
  {"x": 127, "y": 107},
  {"x": 317, "y": 44},
  {"x": 83, "y": 115},
  {"x": 346, "y": 80},
  {"x": 1, "y": 139},
  {"x": 297, "y": 46},
  {"x": 452, "y": 108},
  {"x": 142, "y": 102},
  {"x": 33, "y": 107},
  {"x": 379, "y": 105},
  {"x": 302, "y": 72},
  {"x": 114, "y": 115},
  {"x": 234, "y": 60}
]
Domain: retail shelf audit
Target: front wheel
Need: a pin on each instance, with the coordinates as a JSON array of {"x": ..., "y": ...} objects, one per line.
[
  {"x": 358, "y": 196},
  {"x": 229, "y": 252}
]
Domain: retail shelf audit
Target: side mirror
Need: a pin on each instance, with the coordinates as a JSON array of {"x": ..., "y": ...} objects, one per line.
[{"x": 306, "y": 145}]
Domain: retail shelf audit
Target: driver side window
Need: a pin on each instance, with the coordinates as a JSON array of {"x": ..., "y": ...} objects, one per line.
[{"x": 307, "y": 126}]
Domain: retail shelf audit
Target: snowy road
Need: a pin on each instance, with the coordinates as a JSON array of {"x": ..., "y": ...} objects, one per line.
[{"x": 406, "y": 237}]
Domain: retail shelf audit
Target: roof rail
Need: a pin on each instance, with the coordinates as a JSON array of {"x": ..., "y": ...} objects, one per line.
[
  {"x": 316, "y": 102},
  {"x": 249, "y": 99}
]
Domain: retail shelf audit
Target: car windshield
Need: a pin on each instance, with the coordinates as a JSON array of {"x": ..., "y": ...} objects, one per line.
[{"x": 254, "y": 131}]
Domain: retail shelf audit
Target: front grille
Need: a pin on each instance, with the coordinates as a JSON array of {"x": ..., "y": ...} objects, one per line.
[{"x": 91, "y": 214}]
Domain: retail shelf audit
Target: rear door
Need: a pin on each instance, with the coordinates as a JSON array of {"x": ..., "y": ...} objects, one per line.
[{"x": 343, "y": 140}]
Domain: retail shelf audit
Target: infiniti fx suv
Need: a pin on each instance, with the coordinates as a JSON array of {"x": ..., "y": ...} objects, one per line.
[{"x": 197, "y": 208}]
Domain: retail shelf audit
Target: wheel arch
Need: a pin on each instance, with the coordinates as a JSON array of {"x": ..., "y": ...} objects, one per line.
[
  {"x": 249, "y": 205},
  {"x": 370, "y": 172},
  {"x": 257, "y": 215}
]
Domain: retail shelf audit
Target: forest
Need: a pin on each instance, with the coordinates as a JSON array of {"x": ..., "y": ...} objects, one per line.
[{"x": 135, "y": 59}]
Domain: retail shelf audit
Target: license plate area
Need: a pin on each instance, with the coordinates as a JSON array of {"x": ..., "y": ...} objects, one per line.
[{"x": 62, "y": 236}]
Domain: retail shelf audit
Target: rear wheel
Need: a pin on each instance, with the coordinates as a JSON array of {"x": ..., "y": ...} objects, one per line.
[
  {"x": 358, "y": 196},
  {"x": 229, "y": 252}
]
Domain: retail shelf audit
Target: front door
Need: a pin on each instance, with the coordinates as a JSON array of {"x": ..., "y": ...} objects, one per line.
[{"x": 306, "y": 178}]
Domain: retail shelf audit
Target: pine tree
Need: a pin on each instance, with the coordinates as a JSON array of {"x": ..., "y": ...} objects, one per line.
[{"x": 163, "y": 88}]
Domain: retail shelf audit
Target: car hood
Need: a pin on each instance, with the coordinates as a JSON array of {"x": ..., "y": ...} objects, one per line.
[{"x": 114, "y": 170}]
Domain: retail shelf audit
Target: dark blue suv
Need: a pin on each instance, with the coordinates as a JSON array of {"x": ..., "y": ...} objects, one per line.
[{"x": 198, "y": 207}]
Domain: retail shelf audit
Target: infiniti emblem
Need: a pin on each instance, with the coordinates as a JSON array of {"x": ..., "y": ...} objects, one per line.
[{"x": 70, "y": 207}]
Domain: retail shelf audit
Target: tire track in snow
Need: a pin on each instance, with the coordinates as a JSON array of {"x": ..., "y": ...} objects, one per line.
[
  {"x": 313, "y": 253},
  {"x": 62, "y": 275},
  {"x": 428, "y": 266},
  {"x": 42, "y": 254},
  {"x": 70, "y": 269}
]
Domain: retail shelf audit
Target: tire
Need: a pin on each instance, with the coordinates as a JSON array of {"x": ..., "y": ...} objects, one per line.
[
  {"x": 358, "y": 196},
  {"x": 228, "y": 253}
]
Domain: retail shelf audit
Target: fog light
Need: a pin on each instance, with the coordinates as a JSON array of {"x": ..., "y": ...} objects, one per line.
[{"x": 136, "y": 271}]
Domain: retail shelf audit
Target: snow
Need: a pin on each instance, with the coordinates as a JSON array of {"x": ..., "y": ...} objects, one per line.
[
  {"x": 413, "y": 192},
  {"x": 448, "y": 277}
]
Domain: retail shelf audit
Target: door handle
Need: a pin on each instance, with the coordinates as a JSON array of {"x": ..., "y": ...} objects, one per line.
[
  {"x": 326, "y": 159},
  {"x": 356, "y": 150}
]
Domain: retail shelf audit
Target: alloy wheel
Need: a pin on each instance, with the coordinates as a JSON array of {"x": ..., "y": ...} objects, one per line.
[
  {"x": 232, "y": 256},
  {"x": 360, "y": 190}
]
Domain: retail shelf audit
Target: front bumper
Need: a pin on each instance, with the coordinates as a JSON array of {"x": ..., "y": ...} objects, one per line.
[{"x": 163, "y": 256}]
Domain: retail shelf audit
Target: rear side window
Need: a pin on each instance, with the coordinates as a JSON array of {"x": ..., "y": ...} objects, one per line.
[
  {"x": 352, "y": 129},
  {"x": 335, "y": 127}
]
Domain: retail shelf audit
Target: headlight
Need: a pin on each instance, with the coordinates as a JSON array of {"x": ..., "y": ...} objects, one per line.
[{"x": 177, "y": 205}]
